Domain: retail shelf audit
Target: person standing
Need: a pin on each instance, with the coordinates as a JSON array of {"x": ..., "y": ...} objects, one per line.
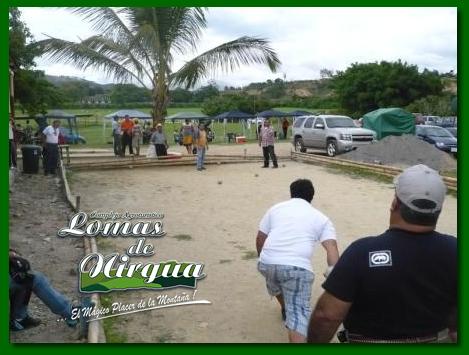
[
  {"x": 258, "y": 130},
  {"x": 285, "y": 242},
  {"x": 400, "y": 286},
  {"x": 158, "y": 139},
  {"x": 187, "y": 132},
  {"x": 12, "y": 144},
  {"x": 137, "y": 134},
  {"x": 51, "y": 147},
  {"x": 116, "y": 135},
  {"x": 126, "y": 132},
  {"x": 201, "y": 143},
  {"x": 285, "y": 125},
  {"x": 266, "y": 141}
]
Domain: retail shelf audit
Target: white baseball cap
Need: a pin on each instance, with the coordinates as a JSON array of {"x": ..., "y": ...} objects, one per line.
[{"x": 421, "y": 189}]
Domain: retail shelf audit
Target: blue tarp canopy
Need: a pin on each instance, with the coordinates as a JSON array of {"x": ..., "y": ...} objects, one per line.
[
  {"x": 56, "y": 114},
  {"x": 300, "y": 113},
  {"x": 130, "y": 113},
  {"x": 234, "y": 114},
  {"x": 272, "y": 113},
  {"x": 181, "y": 116}
]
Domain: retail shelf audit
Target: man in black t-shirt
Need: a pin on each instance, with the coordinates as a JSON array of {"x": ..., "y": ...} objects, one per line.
[{"x": 398, "y": 287}]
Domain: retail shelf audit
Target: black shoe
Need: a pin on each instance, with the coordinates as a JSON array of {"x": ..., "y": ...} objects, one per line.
[
  {"x": 203, "y": 168},
  {"x": 284, "y": 315},
  {"x": 15, "y": 326},
  {"x": 275, "y": 167},
  {"x": 29, "y": 322}
]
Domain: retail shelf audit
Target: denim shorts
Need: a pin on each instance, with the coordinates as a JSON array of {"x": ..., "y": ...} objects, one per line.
[{"x": 294, "y": 284}]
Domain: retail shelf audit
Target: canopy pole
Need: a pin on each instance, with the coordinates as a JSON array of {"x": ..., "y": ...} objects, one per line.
[{"x": 104, "y": 129}]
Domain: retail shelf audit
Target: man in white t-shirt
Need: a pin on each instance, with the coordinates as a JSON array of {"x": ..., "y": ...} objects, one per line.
[
  {"x": 285, "y": 242},
  {"x": 51, "y": 147}
]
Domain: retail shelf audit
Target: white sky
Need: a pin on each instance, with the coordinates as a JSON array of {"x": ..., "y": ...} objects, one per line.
[{"x": 306, "y": 39}]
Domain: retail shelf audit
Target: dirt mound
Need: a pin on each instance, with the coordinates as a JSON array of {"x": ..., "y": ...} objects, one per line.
[{"x": 403, "y": 151}]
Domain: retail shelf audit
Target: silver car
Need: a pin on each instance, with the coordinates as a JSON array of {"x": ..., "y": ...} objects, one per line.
[{"x": 336, "y": 134}]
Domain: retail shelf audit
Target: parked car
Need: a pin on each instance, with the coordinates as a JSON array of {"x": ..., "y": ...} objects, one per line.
[
  {"x": 449, "y": 121},
  {"x": 453, "y": 131},
  {"x": 335, "y": 134},
  {"x": 430, "y": 120},
  {"x": 437, "y": 136}
]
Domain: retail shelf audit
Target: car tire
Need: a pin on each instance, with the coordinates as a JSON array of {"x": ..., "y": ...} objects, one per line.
[
  {"x": 331, "y": 148},
  {"x": 299, "y": 145}
]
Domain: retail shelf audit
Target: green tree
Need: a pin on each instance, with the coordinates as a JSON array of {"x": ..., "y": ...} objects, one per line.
[
  {"x": 245, "y": 103},
  {"x": 140, "y": 44},
  {"x": 35, "y": 94},
  {"x": 180, "y": 95},
  {"x": 365, "y": 87},
  {"x": 433, "y": 105},
  {"x": 32, "y": 91},
  {"x": 275, "y": 89},
  {"x": 205, "y": 92},
  {"x": 20, "y": 55},
  {"x": 126, "y": 93}
]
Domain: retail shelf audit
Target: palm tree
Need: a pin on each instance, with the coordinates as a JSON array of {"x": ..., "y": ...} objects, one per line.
[{"x": 139, "y": 44}]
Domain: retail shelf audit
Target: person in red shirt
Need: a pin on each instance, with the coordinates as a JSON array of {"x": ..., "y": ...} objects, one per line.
[{"x": 126, "y": 130}]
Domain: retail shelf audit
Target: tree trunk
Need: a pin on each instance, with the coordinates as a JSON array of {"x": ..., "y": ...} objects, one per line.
[{"x": 160, "y": 97}]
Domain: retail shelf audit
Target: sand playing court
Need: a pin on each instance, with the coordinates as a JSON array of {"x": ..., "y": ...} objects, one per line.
[{"x": 212, "y": 217}]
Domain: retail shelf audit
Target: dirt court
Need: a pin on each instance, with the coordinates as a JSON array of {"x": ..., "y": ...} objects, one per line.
[{"x": 212, "y": 217}]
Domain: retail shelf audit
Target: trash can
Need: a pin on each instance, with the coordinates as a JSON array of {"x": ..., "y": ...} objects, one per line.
[{"x": 31, "y": 155}]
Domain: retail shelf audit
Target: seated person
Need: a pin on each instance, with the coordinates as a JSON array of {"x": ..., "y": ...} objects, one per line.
[{"x": 23, "y": 282}]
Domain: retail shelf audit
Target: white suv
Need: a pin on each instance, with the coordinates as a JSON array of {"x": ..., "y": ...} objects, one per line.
[{"x": 336, "y": 134}]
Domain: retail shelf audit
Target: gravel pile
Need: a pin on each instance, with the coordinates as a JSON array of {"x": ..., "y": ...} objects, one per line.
[{"x": 403, "y": 151}]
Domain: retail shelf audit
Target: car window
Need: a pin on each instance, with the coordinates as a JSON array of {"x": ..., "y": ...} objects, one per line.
[
  {"x": 298, "y": 122},
  {"x": 309, "y": 122},
  {"x": 339, "y": 121},
  {"x": 437, "y": 132},
  {"x": 319, "y": 120}
]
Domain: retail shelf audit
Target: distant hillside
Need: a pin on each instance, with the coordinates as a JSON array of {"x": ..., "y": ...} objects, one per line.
[
  {"x": 278, "y": 89},
  {"x": 66, "y": 80}
]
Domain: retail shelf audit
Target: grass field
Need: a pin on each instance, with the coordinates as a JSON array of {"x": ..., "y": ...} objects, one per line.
[{"x": 98, "y": 135}]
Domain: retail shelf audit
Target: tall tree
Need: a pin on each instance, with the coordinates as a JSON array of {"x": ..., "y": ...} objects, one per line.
[
  {"x": 140, "y": 44},
  {"x": 365, "y": 87},
  {"x": 20, "y": 55},
  {"x": 32, "y": 91}
]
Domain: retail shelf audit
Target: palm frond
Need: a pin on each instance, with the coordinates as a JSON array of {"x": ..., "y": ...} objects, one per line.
[
  {"x": 177, "y": 28},
  {"x": 83, "y": 56},
  {"x": 227, "y": 57},
  {"x": 183, "y": 33},
  {"x": 109, "y": 24},
  {"x": 104, "y": 20}
]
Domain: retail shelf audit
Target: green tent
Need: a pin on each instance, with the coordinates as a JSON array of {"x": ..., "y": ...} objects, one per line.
[{"x": 389, "y": 122}]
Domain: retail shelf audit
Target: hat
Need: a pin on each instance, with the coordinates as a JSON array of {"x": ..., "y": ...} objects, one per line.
[{"x": 421, "y": 189}]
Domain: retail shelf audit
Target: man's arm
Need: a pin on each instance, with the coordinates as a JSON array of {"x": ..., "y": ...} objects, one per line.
[
  {"x": 327, "y": 317},
  {"x": 330, "y": 245},
  {"x": 260, "y": 240}
]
